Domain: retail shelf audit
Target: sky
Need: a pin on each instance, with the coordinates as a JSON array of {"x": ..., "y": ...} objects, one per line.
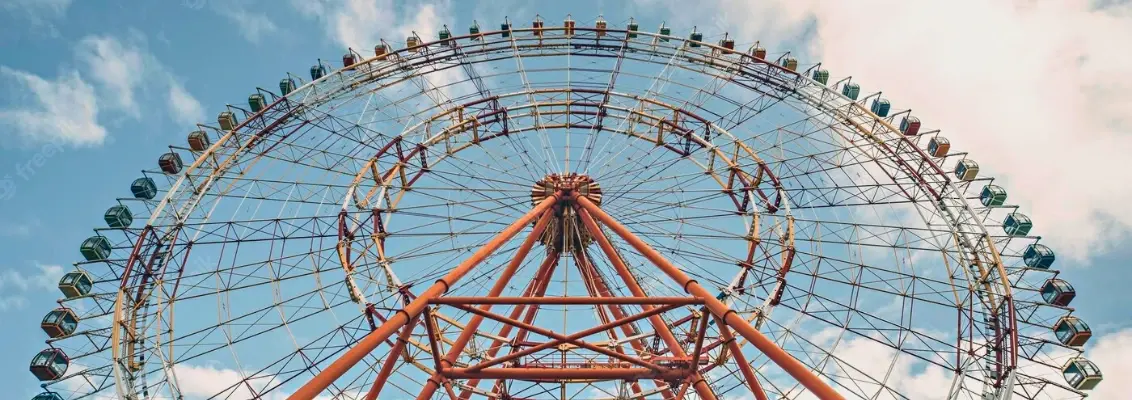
[{"x": 91, "y": 93}]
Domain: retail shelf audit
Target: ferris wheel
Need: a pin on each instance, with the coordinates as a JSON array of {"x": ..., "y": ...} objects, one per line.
[{"x": 583, "y": 210}]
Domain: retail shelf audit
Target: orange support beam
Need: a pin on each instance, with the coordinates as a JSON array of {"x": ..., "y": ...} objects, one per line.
[
  {"x": 370, "y": 342},
  {"x": 791, "y": 365}
]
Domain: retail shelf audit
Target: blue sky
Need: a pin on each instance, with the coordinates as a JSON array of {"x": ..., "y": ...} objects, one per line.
[{"x": 92, "y": 92}]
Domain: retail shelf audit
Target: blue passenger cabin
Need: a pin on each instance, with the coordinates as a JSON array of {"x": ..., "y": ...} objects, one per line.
[
  {"x": 95, "y": 248},
  {"x": 821, "y": 75},
  {"x": 851, "y": 90},
  {"x": 966, "y": 169},
  {"x": 880, "y": 107},
  {"x": 257, "y": 102},
  {"x": 993, "y": 195},
  {"x": 60, "y": 322},
  {"x": 287, "y": 85},
  {"x": 47, "y": 396},
  {"x": 1072, "y": 331},
  {"x": 1017, "y": 224},
  {"x": 1038, "y": 256},
  {"x": 1081, "y": 374},
  {"x": 910, "y": 125},
  {"x": 1058, "y": 292},
  {"x": 939, "y": 146},
  {"x": 49, "y": 364},
  {"x": 170, "y": 163},
  {"x": 227, "y": 120},
  {"x": 790, "y": 63},
  {"x": 198, "y": 141},
  {"x": 144, "y": 188},
  {"x": 118, "y": 216},
  {"x": 317, "y": 71}
]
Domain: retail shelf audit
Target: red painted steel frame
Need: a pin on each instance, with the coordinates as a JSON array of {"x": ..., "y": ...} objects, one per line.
[
  {"x": 370, "y": 342},
  {"x": 784, "y": 360}
]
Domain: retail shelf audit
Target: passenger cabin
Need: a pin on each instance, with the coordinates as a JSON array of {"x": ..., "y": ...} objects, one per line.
[
  {"x": 851, "y": 90},
  {"x": 966, "y": 169},
  {"x": 1058, "y": 292},
  {"x": 444, "y": 34},
  {"x": 227, "y": 120},
  {"x": 60, "y": 322},
  {"x": 505, "y": 29},
  {"x": 880, "y": 107},
  {"x": 474, "y": 30},
  {"x": 1017, "y": 224},
  {"x": 349, "y": 59},
  {"x": 601, "y": 26},
  {"x": 910, "y": 125},
  {"x": 1038, "y": 256},
  {"x": 665, "y": 32},
  {"x": 49, "y": 364},
  {"x": 170, "y": 163},
  {"x": 380, "y": 50},
  {"x": 537, "y": 26},
  {"x": 75, "y": 284},
  {"x": 569, "y": 25},
  {"x": 257, "y": 102},
  {"x": 939, "y": 146},
  {"x": 286, "y": 86},
  {"x": 727, "y": 43},
  {"x": 317, "y": 71},
  {"x": 198, "y": 141},
  {"x": 143, "y": 188},
  {"x": 1081, "y": 374},
  {"x": 633, "y": 28},
  {"x": 821, "y": 75},
  {"x": 1072, "y": 331},
  {"x": 993, "y": 195},
  {"x": 790, "y": 63},
  {"x": 758, "y": 52},
  {"x": 695, "y": 38},
  {"x": 95, "y": 248},
  {"x": 412, "y": 42},
  {"x": 47, "y": 396},
  {"x": 118, "y": 216}
]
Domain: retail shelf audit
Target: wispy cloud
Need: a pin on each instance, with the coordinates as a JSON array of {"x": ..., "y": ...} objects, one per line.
[
  {"x": 183, "y": 107},
  {"x": 253, "y": 26},
  {"x": 118, "y": 67},
  {"x": 64, "y": 108},
  {"x": 361, "y": 24},
  {"x": 15, "y": 285},
  {"x": 37, "y": 12}
]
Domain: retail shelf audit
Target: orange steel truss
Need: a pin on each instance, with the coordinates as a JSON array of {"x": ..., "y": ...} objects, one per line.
[{"x": 680, "y": 369}]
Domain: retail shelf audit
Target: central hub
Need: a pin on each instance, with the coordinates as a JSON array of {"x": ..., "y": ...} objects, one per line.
[{"x": 566, "y": 233}]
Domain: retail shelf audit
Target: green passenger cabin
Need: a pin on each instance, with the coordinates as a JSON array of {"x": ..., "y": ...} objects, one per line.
[
  {"x": 880, "y": 107},
  {"x": 257, "y": 102},
  {"x": 47, "y": 396},
  {"x": 633, "y": 28},
  {"x": 144, "y": 188},
  {"x": 695, "y": 38},
  {"x": 1017, "y": 224},
  {"x": 1038, "y": 256},
  {"x": 317, "y": 71},
  {"x": 851, "y": 90},
  {"x": 95, "y": 248},
  {"x": 287, "y": 85},
  {"x": 118, "y": 216},
  {"x": 993, "y": 195},
  {"x": 821, "y": 75}
]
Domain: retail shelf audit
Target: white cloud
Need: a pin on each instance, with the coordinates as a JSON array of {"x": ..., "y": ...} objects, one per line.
[
  {"x": 183, "y": 107},
  {"x": 37, "y": 11},
  {"x": 16, "y": 285},
  {"x": 1030, "y": 89},
  {"x": 1113, "y": 355},
  {"x": 118, "y": 67},
  {"x": 65, "y": 108},
  {"x": 253, "y": 26},
  {"x": 361, "y": 24}
]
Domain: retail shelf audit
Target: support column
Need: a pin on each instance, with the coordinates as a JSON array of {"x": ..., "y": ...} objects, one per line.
[
  {"x": 784, "y": 360},
  {"x": 370, "y": 342}
]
